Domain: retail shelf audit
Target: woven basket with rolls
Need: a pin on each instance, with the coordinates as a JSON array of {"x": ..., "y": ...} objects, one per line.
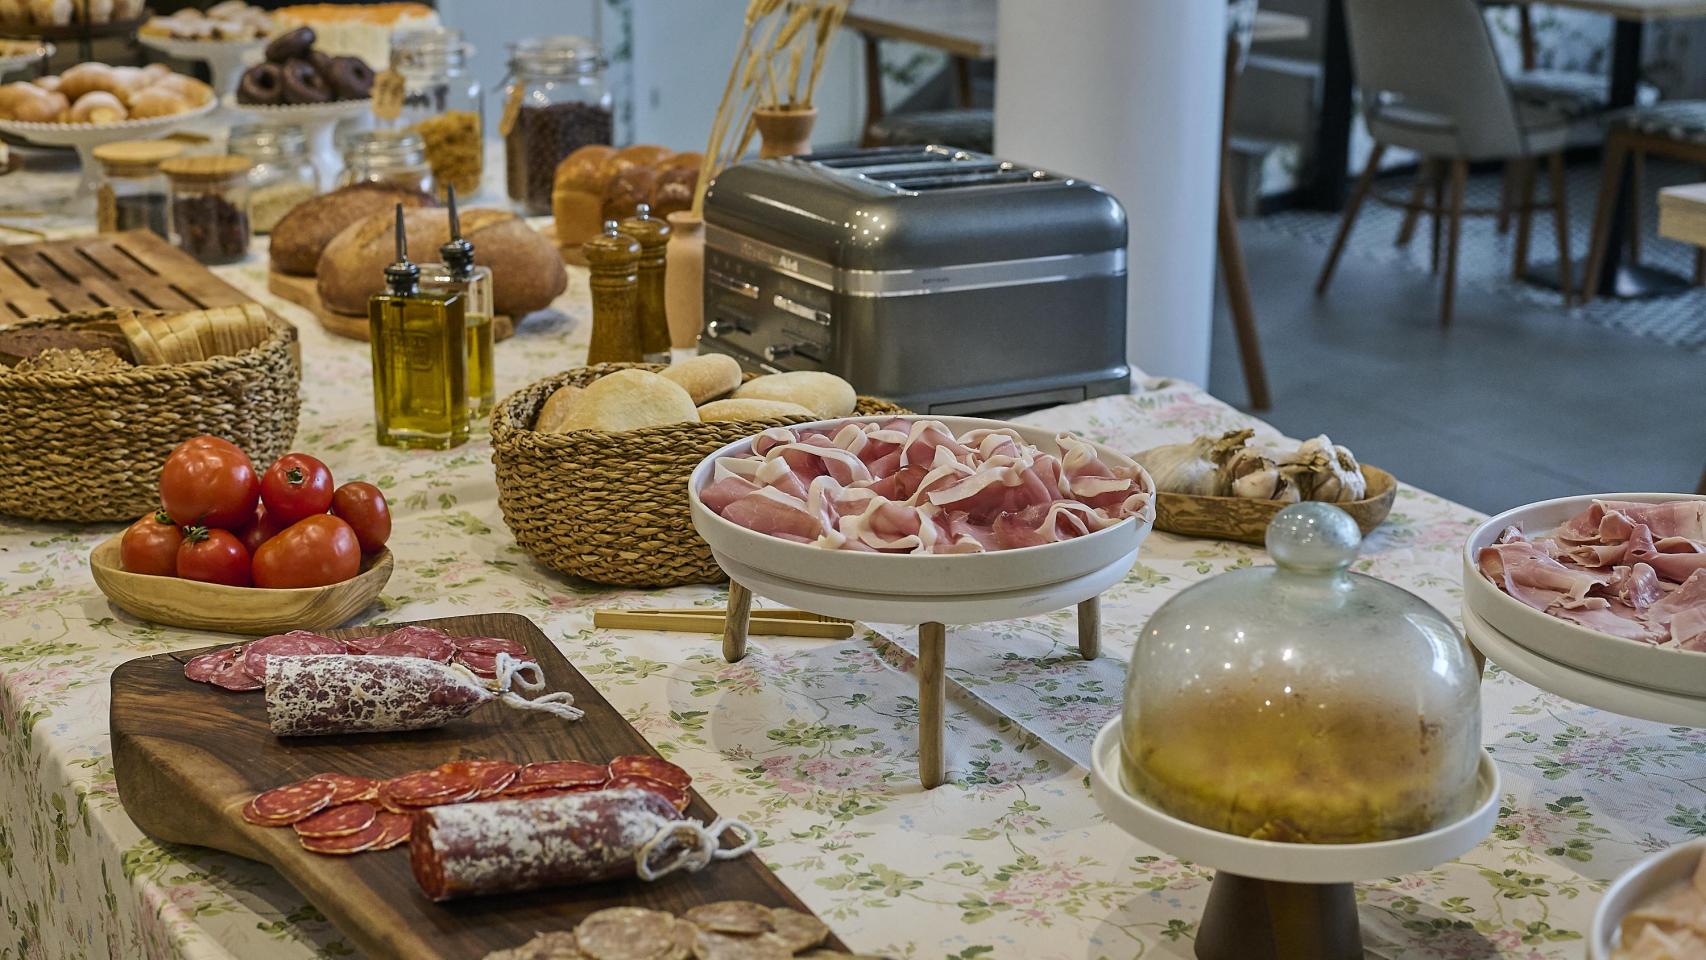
[
  {"x": 88, "y": 446},
  {"x": 611, "y": 507}
]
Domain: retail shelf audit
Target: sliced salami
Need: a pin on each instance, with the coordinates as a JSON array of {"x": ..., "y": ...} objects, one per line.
[
  {"x": 296, "y": 643},
  {"x": 558, "y": 773},
  {"x": 492, "y": 646},
  {"x": 655, "y": 768},
  {"x": 337, "y": 821},
  {"x": 349, "y": 788},
  {"x": 481, "y": 664},
  {"x": 489, "y": 776},
  {"x": 232, "y": 676},
  {"x": 676, "y": 796},
  {"x": 426, "y": 788},
  {"x": 285, "y": 805},
  {"x": 423, "y": 642},
  {"x": 396, "y": 830},
  {"x": 348, "y": 843},
  {"x": 203, "y": 668}
]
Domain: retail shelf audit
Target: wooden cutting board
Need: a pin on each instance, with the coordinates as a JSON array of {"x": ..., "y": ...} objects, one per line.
[
  {"x": 135, "y": 268},
  {"x": 305, "y": 293},
  {"x": 188, "y": 756}
]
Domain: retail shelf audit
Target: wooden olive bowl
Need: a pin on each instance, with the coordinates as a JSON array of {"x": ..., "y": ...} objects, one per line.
[
  {"x": 247, "y": 610},
  {"x": 1246, "y": 520}
]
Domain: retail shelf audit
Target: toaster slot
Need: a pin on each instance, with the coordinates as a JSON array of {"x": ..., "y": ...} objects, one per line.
[
  {"x": 969, "y": 178},
  {"x": 858, "y": 159}
]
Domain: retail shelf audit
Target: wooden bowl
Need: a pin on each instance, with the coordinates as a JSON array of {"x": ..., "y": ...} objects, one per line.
[
  {"x": 1246, "y": 520},
  {"x": 246, "y": 610}
]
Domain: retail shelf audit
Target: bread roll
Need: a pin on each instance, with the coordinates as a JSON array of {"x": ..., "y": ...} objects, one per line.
[
  {"x": 719, "y": 410},
  {"x": 98, "y": 106},
  {"x": 84, "y": 77},
  {"x": 555, "y": 411},
  {"x": 627, "y": 190},
  {"x": 28, "y": 102},
  {"x": 824, "y": 394},
  {"x": 301, "y": 235},
  {"x": 626, "y": 400},
  {"x": 707, "y": 377},
  {"x": 158, "y": 101},
  {"x": 191, "y": 89}
]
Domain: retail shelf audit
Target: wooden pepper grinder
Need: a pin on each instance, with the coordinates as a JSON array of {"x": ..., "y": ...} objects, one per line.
[
  {"x": 653, "y": 234},
  {"x": 613, "y": 257}
]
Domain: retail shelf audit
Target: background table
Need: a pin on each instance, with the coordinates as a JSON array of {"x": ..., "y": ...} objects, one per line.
[{"x": 811, "y": 741}]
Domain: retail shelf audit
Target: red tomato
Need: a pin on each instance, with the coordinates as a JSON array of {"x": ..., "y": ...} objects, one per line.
[
  {"x": 312, "y": 552},
  {"x": 151, "y": 546},
  {"x": 206, "y": 440},
  {"x": 259, "y": 530},
  {"x": 363, "y": 507},
  {"x": 296, "y": 486},
  {"x": 209, "y": 484},
  {"x": 213, "y": 556}
]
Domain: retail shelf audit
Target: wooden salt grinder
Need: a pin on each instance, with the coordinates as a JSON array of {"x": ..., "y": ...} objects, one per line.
[
  {"x": 613, "y": 258},
  {"x": 653, "y": 234}
]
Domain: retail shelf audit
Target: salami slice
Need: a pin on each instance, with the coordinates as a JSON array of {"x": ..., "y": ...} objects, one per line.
[
  {"x": 232, "y": 676},
  {"x": 797, "y": 931},
  {"x": 655, "y": 768},
  {"x": 558, "y": 773},
  {"x": 202, "y": 669},
  {"x": 349, "y": 788},
  {"x": 492, "y": 646},
  {"x": 627, "y": 933},
  {"x": 396, "y": 830},
  {"x": 423, "y": 642},
  {"x": 481, "y": 664},
  {"x": 731, "y": 916},
  {"x": 426, "y": 788},
  {"x": 490, "y": 776},
  {"x": 337, "y": 821},
  {"x": 348, "y": 843},
  {"x": 296, "y": 643},
  {"x": 285, "y": 805},
  {"x": 676, "y": 796}
]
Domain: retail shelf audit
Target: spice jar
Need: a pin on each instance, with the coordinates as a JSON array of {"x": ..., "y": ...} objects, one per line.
[
  {"x": 132, "y": 194},
  {"x": 210, "y": 206},
  {"x": 555, "y": 102},
  {"x": 283, "y": 175},
  {"x": 395, "y": 157},
  {"x": 614, "y": 260},
  {"x": 443, "y": 103}
]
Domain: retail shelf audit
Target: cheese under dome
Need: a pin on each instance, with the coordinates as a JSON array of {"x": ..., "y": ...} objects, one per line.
[{"x": 1302, "y": 702}]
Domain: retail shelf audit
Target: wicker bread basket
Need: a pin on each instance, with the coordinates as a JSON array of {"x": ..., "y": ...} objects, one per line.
[
  {"x": 611, "y": 507},
  {"x": 89, "y": 446}
]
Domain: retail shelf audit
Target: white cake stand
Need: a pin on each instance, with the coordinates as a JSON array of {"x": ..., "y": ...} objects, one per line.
[
  {"x": 85, "y": 137},
  {"x": 318, "y": 122},
  {"x": 1282, "y": 901},
  {"x": 225, "y": 59},
  {"x": 25, "y": 57}
]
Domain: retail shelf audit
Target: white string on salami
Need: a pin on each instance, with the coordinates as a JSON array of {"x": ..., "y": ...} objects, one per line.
[
  {"x": 701, "y": 846},
  {"x": 511, "y": 670}
]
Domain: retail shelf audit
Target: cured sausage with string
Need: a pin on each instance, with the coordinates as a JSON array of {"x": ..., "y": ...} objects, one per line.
[{"x": 342, "y": 693}]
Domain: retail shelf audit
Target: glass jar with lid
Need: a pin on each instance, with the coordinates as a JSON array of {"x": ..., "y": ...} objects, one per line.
[
  {"x": 392, "y": 156},
  {"x": 1303, "y": 703},
  {"x": 210, "y": 206},
  {"x": 555, "y": 102},
  {"x": 132, "y": 193},
  {"x": 283, "y": 175},
  {"x": 443, "y": 102}
]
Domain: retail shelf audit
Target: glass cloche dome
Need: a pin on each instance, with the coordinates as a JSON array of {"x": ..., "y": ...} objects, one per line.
[{"x": 1301, "y": 702}]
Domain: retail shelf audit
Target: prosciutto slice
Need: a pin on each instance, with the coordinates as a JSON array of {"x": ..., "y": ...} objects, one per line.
[
  {"x": 899, "y": 486},
  {"x": 1632, "y": 570}
]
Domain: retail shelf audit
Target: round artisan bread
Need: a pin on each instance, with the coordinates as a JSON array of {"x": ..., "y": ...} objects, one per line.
[
  {"x": 526, "y": 272},
  {"x": 555, "y": 411},
  {"x": 824, "y": 394},
  {"x": 719, "y": 410},
  {"x": 624, "y": 400},
  {"x": 301, "y": 235},
  {"x": 705, "y": 378}
]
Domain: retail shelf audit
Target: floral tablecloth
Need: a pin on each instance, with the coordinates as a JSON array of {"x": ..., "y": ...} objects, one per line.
[{"x": 813, "y": 742}]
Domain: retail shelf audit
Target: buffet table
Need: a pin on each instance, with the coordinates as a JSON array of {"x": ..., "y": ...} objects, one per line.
[{"x": 812, "y": 742}]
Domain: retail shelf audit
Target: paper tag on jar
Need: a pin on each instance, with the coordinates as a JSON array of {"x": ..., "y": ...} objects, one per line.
[
  {"x": 512, "y": 109},
  {"x": 388, "y": 95}
]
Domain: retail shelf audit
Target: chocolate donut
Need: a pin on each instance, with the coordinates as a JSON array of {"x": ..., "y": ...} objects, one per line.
[
  {"x": 303, "y": 83},
  {"x": 350, "y": 78},
  {"x": 262, "y": 84},
  {"x": 291, "y": 46},
  {"x": 322, "y": 62}
]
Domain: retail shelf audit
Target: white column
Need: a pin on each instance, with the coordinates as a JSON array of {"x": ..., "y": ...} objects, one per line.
[{"x": 1127, "y": 94}]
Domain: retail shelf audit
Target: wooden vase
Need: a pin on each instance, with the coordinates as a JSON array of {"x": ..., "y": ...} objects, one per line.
[
  {"x": 684, "y": 279},
  {"x": 784, "y": 131}
]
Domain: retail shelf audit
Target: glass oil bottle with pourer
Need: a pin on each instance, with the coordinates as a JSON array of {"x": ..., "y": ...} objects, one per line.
[
  {"x": 420, "y": 359},
  {"x": 458, "y": 274}
]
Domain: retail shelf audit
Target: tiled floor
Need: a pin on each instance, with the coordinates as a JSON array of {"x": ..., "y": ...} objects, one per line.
[{"x": 1519, "y": 401}]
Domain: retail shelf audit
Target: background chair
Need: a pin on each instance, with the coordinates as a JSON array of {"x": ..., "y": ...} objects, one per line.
[
  {"x": 1240, "y": 22},
  {"x": 1674, "y": 129},
  {"x": 1430, "y": 82}
]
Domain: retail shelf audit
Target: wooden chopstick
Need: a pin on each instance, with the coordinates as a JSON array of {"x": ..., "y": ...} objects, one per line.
[
  {"x": 712, "y": 623},
  {"x": 768, "y": 613}
]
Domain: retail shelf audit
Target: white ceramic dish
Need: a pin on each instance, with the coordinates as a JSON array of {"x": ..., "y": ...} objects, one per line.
[
  {"x": 1629, "y": 700},
  {"x": 905, "y": 576},
  {"x": 1286, "y": 862},
  {"x": 1615, "y": 658},
  {"x": 22, "y": 58},
  {"x": 85, "y": 137},
  {"x": 1641, "y": 883}
]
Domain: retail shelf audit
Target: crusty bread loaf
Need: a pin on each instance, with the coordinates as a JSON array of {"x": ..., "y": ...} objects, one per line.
[
  {"x": 526, "y": 272},
  {"x": 824, "y": 394},
  {"x": 707, "y": 377},
  {"x": 598, "y": 183},
  {"x": 301, "y": 235},
  {"x": 555, "y": 411},
  {"x": 624, "y": 400},
  {"x": 718, "y": 410}
]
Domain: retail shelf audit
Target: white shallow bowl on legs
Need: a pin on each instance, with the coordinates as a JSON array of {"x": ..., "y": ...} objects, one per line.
[
  {"x": 1644, "y": 881},
  {"x": 997, "y": 575},
  {"x": 1589, "y": 651}
]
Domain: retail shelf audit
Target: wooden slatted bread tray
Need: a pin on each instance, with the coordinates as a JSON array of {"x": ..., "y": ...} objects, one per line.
[{"x": 135, "y": 268}]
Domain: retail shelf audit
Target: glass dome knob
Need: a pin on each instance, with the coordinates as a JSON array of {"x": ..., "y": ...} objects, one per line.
[{"x": 1313, "y": 537}]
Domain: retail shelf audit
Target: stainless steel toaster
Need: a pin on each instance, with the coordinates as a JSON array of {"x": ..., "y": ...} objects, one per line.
[{"x": 946, "y": 281}]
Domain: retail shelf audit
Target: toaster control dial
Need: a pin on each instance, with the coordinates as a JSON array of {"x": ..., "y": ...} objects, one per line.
[
  {"x": 799, "y": 309},
  {"x": 776, "y": 351},
  {"x": 717, "y": 328}
]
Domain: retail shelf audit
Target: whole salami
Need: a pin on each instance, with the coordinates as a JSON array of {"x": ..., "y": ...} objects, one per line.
[
  {"x": 354, "y": 693},
  {"x": 476, "y": 849}
]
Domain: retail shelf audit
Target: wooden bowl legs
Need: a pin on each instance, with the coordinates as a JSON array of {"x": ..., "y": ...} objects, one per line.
[
  {"x": 932, "y": 669},
  {"x": 1265, "y": 920}
]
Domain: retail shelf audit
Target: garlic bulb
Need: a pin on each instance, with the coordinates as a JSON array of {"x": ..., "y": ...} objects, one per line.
[
  {"x": 1323, "y": 470},
  {"x": 1250, "y": 473},
  {"x": 1181, "y": 467}
]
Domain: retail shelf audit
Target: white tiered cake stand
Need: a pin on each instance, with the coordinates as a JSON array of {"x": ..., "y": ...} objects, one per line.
[
  {"x": 226, "y": 59},
  {"x": 929, "y": 591},
  {"x": 1282, "y": 901},
  {"x": 85, "y": 137}
]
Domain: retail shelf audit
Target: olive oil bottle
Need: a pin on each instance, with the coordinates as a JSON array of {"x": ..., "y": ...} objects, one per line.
[
  {"x": 420, "y": 359},
  {"x": 458, "y": 274}
]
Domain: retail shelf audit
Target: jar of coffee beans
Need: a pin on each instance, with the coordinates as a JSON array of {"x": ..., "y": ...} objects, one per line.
[
  {"x": 555, "y": 102},
  {"x": 209, "y": 209},
  {"x": 132, "y": 193}
]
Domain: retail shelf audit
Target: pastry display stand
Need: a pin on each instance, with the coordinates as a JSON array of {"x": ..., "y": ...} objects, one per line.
[
  {"x": 81, "y": 30},
  {"x": 1283, "y": 901},
  {"x": 85, "y": 137},
  {"x": 18, "y": 61},
  {"x": 319, "y": 122},
  {"x": 226, "y": 59}
]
